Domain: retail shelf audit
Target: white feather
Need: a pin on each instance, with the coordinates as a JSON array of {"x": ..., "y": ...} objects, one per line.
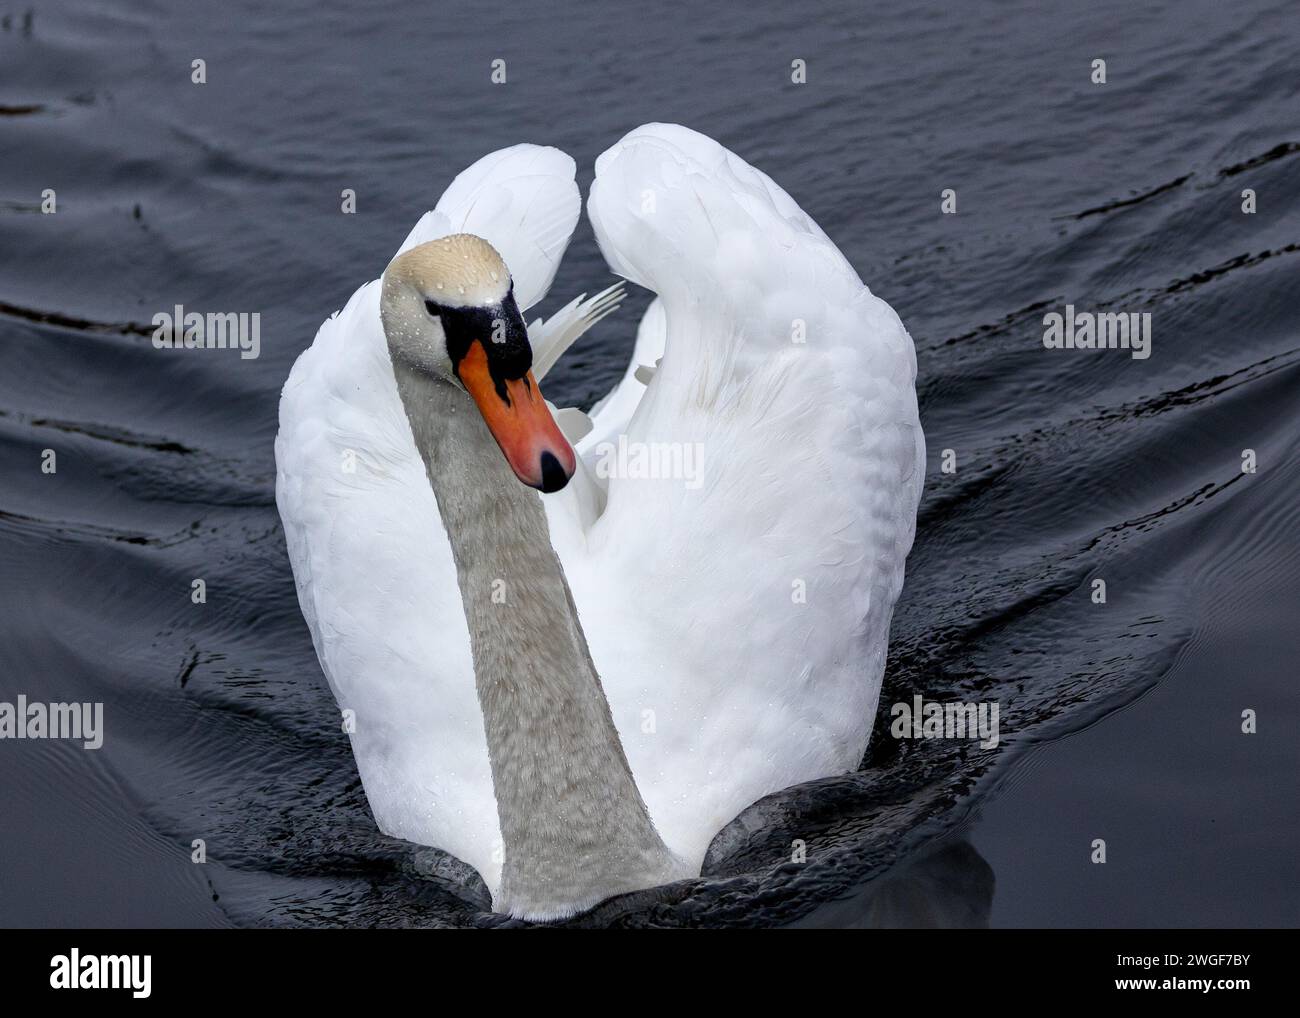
[
  {"x": 739, "y": 619},
  {"x": 552, "y": 336},
  {"x": 523, "y": 201}
]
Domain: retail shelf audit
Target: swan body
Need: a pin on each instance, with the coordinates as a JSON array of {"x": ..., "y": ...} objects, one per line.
[{"x": 737, "y": 619}]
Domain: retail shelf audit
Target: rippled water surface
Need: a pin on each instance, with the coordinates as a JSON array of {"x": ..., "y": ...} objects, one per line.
[{"x": 1119, "y": 721}]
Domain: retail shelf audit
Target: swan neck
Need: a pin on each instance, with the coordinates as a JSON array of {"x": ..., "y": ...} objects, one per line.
[{"x": 574, "y": 827}]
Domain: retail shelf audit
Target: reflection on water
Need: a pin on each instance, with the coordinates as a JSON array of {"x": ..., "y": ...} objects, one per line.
[{"x": 948, "y": 888}]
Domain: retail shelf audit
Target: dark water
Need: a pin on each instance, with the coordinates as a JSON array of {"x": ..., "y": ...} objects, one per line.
[{"x": 1119, "y": 721}]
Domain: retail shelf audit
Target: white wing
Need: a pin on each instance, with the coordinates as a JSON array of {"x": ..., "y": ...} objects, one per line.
[
  {"x": 552, "y": 336},
  {"x": 371, "y": 560},
  {"x": 523, "y": 201},
  {"x": 745, "y": 602},
  {"x": 611, "y": 415}
]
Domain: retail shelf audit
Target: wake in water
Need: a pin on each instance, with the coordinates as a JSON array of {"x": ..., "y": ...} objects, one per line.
[{"x": 1000, "y": 606}]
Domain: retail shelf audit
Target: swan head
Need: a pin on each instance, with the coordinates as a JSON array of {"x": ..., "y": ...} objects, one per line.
[{"x": 449, "y": 312}]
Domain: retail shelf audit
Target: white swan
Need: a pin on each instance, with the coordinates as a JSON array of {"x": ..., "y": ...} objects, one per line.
[{"x": 738, "y": 617}]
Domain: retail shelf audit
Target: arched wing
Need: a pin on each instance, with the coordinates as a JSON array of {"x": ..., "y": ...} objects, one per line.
[
  {"x": 761, "y": 491},
  {"x": 523, "y": 201}
]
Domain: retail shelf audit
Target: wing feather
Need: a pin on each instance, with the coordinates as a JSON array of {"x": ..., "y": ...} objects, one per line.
[{"x": 523, "y": 201}]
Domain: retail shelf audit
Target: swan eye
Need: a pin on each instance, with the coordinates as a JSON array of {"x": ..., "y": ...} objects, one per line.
[{"x": 433, "y": 309}]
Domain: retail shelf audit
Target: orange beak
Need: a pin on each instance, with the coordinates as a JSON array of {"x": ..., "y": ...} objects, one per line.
[{"x": 521, "y": 422}]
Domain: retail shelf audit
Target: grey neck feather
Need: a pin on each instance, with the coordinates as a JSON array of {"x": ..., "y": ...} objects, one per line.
[{"x": 574, "y": 826}]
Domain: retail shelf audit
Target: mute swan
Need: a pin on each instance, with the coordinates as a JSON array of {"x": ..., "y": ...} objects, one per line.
[{"x": 737, "y": 619}]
